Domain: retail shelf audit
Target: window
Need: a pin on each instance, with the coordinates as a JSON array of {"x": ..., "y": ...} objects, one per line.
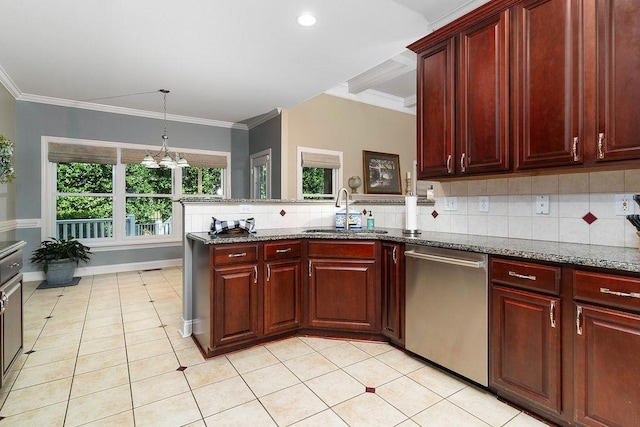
[
  {"x": 261, "y": 175},
  {"x": 100, "y": 191},
  {"x": 319, "y": 173}
]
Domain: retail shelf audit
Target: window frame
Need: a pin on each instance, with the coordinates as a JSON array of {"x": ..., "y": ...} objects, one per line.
[
  {"x": 120, "y": 240},
  {"x": 259, "y": 159},
  {"x": 337, "y": 177}
]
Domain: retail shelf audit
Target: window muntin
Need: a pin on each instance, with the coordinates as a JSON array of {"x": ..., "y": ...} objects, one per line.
[{"x": 203, "y": 181}]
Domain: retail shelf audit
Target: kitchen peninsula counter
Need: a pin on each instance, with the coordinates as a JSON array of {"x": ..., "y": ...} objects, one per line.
[{"x": 596, "y": 256}]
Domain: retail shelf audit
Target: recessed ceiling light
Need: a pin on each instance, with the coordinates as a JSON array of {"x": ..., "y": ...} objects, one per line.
[{"x": 306, "y": 20}]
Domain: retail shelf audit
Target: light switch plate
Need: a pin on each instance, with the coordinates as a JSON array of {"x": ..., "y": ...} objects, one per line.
[
  {"x": 542, "y": 205},
  {"x": 483, "y": 203},
  {"x": 245, "y": 208},
  {"x": 450, "y": 203}
]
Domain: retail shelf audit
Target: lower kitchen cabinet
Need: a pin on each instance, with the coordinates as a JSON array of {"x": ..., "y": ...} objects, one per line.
[
  {"x": 282, "y": 286},
  {"x": 393, "y": 291},
  {"x": 11, "y": 324},
  {"x": 235, "y": 307},
  {"x": 526, "y": 333},
  {"x": 526, "y": 352},
  {"x": 607, "y": 349},
  {"x": 344, "y": 292}
]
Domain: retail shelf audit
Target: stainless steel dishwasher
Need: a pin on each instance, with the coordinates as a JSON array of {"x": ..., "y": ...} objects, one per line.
[{"x": 447, "y": 309}]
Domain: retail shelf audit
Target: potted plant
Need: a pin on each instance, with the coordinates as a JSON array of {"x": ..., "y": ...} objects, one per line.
[{"x": 58, "y": 257}]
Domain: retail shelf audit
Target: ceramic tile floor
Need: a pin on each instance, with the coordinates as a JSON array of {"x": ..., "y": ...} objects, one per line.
[{"x": 107, "y": 353}]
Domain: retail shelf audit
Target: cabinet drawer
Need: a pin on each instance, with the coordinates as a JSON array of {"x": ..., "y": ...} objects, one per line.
[
  {"x": 526, "y": 275},
  {"x": 608, "y": 289},
  {"x": 10, "y": 266},
  {"x": 234, "y": 254},
  {"x": 282, "y": 250},
  {"x": 338, "y": 249}
]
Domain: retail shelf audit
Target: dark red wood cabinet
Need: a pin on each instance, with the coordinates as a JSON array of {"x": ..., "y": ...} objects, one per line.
[
  {"x": 282, "y": 286},
  {"x": 344, "y": 291},
  {"x": 607, "y": 349},
  {"x": 393, "y": 291},
  {"x": 525, "y": 333}
]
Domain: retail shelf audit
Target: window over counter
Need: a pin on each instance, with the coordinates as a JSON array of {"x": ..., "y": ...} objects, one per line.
[
  {"x": 98, "y": 191},
  {"x": 319, "y": 173}
]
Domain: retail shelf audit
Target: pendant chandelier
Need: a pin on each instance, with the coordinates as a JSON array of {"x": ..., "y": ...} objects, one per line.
[{"x": 166, "y": 161}]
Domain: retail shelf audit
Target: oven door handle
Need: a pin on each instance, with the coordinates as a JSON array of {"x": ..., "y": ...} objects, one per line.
[{"x": 444, "y": 259}]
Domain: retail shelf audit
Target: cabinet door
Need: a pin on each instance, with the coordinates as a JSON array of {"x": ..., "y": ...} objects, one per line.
[
  {"x": 618, "y": 31},
  {"x": 607, "y": 356},
  {"x": 342, "y": 294},
  {"x": 235, "y": 305},
  {"x": 282, "y": 300},
  {"x": 544, "y": 87},
  {"x": 393, "y": 291},
  {"x": 435, "y": 110},
  {"x": 483, "y": 92},
  {"x": 525, "y": 346}
]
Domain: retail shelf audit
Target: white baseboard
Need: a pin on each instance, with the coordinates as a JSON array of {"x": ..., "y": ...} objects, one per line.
[{"x": 33, "y": 276}]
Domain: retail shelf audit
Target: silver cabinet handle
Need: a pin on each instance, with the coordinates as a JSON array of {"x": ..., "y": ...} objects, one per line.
[
  {"x": 3, "y": 299},
  {"x": 601, "y": 146},
  {"x": 579, "y": 321},
  {"x": 237, "y": 255},
  {"x": 395, "y": 255},
  {"x": 309, "y": 268},
  {"x": 574, "y": 149},
  {"x": 620, "y": 294},
  {"x": 268, "y": 272},
  {"x": 449, "y": 164},
  {"x": 552, "y": 314},
  {"x": 462, "y": 168},
  {"x": 283, "y": 251},
  {"x": 522, "y": 276},
  {"x": 255, "y": 274}
]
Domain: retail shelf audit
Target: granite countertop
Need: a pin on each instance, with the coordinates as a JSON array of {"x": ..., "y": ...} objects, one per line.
[{"x": 608, "y": 257}]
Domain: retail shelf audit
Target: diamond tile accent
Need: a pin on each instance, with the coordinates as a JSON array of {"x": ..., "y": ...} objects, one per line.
[
  {"x": 434, "y": 213},
  {"x": 370, "y": 389},
  {"x": 49, "y": 317},
  {"x": 182, "y": 368},
  {"x": 29, "y": 352},
  {"x": 589, "y": 218},
  {"x": 283, "y": 212},
  {"x": 364, "y": 212}
]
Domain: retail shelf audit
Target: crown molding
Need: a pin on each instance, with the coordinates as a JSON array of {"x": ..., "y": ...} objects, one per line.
[
  {"x": 373, "y": 97},
  {"x": 9, "y": 84},
  {"x": 258, "y": 120},
  {"x": 126, "y": 111},
  {"x": 456, "y": 13}
]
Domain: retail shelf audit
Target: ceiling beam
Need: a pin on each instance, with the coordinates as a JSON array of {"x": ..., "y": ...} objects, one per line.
[{"x": 382, "y": 73}]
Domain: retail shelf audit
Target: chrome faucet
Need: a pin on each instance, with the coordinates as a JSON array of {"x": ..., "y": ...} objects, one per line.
[{"x": 346, "y": 204}]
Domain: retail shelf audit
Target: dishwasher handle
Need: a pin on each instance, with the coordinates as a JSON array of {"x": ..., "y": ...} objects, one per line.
[{"x": 445, "y": 259}]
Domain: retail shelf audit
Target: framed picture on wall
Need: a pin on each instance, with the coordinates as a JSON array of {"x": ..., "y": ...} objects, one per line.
[{"x": 381, "y": 172}]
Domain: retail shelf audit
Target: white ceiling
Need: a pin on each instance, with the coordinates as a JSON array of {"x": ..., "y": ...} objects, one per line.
[{"x": 224, "y": 61}]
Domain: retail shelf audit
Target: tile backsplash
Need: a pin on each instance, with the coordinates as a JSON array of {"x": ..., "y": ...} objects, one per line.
[{"x": 511, "y": 213}]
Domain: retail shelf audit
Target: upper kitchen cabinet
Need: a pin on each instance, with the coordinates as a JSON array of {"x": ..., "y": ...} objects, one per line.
[
  {"x": 617, "y": 60},
  {"x": 463, "y": 120},
  {"x": 545, "y": 84}
]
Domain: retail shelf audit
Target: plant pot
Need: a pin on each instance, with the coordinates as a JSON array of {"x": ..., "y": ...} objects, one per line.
[{"x": 60, "y": 271}]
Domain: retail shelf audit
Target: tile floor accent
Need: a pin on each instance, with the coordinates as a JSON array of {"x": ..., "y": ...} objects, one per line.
[{"x": 107, "y": 352}]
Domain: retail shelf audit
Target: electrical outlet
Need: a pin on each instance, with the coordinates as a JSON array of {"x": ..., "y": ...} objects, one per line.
[
  {"x": 483, "y": 203},
  {"x": 624, "y": 204},
  {"x": 542, "y": 205},
  {"x": 245, "y": 208},
  {"x": 450, "y": 203}
]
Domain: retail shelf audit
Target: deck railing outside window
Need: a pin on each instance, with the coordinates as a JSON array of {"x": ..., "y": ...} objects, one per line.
[{"x": 98, "y": 228}]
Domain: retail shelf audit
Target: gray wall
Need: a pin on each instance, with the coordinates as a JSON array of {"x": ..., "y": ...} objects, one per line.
[
  {"x": 269, "y": 135},
  {"x": 8, "y": 129},
  {"x": 33, "y": 120}
]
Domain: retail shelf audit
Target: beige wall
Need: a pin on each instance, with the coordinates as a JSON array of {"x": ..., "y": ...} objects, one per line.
[
  {"x": 334, "y": 123},
  {"x": 8, "y": 129}
]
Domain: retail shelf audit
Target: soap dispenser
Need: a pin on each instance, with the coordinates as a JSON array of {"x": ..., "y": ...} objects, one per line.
[{"x": 370, "y": 220}]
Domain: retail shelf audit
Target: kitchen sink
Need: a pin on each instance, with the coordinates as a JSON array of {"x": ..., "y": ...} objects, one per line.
[{"x": 342, "y": 231}]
